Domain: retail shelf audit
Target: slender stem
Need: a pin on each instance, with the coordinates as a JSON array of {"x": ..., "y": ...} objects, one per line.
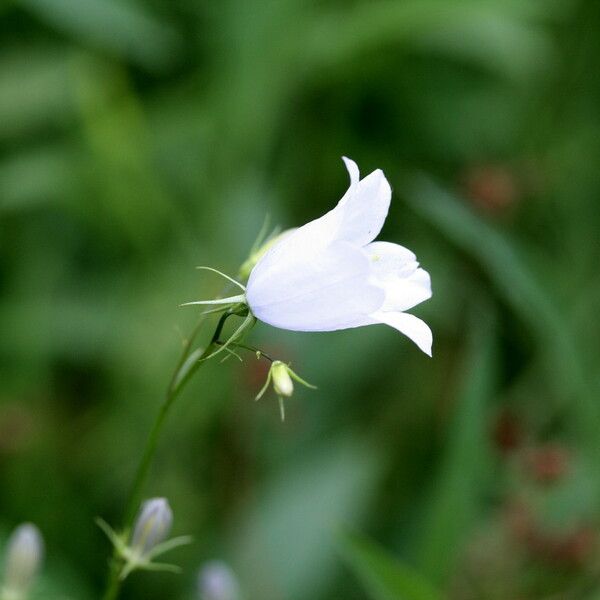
[
  {"x": 114, "y": 582},
  {"x": 252, "y": 349},
  {"x": 181, "y": 375}
]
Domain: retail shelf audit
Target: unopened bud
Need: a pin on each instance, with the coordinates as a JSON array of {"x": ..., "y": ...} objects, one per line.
[
  {"x": 218, "y": 582},
  {"x": 282, "y": 377},
  {"x": 152, "y": 525},
  {"x": 282, "y": 382},
  {"x": 24, "y": 556},
  {"x": 148, "y": 540},
  {"x": 258, "y": 253}
]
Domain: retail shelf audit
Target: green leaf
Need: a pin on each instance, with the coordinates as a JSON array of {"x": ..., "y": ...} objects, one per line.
[
  {"x": 35, "y": 84},
  {"x": 505, "y": 36},
  {"x": 126, "y": 29},
  {"x": 384, "y": 577},
  {"x": 458, "y": 488}
]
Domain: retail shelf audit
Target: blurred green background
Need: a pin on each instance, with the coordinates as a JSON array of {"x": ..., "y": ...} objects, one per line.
[{"x": 140, "y": 139}]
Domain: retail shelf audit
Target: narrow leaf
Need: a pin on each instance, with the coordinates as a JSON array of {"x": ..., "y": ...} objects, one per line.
[
  {"x": 459, "y": 488},
  {"x": 382, "y": 576}
]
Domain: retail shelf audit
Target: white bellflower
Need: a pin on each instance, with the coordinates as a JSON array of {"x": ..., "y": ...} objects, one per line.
[{"x": 329, "y": 274}]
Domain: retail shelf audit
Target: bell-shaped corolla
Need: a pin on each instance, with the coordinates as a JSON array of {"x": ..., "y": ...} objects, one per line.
[{"x": 329, "y": 274}]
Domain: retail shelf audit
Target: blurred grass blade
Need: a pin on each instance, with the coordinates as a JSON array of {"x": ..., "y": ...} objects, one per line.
[
  {"x": 285, "y": 546},
  {"x": 35, "y": 177},
  {"x": 459, "y": 489},
  {"x": 518, "y": 286},
  {"x": 130, "y": 190},
  {"x": 507, "y": 45},
  {"x": 382, "y": 576},
  {"x": 507, "y": 36},
  {"x": 489, "y": 248},
  {"x": 125, "y": 29},
  {"x": 34, "y": 90}
]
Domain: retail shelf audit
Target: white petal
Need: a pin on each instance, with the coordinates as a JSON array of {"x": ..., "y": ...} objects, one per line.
[
  {"x": 395, "y": 269},
  {"x": 358, "y": 218},
  {"x": 299, "y": 247},
  {"x": 412, "y": 327},
  {"x": 365, "y": 207},
  {"x": 389, "y": 256},
  {"x": 404, "y": 294},
  {"x": 330, "y": 291},
  {"x": 352, "y": 170}
]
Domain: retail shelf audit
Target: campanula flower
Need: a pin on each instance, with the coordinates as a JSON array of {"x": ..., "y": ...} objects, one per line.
[{"x": 329, "y": 274}]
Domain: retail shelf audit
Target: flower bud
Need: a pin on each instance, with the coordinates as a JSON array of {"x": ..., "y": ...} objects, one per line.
[
  {"x": 148, "y": 540},
  {"x": 282, "y": 377},
  {"x": 152, "y": 525},
  {"x": 24, "y": 555},
  {"x": 258, "y": 253},
  {"x": 218, "y": 582},
  {"x": 282, "y": 382}
]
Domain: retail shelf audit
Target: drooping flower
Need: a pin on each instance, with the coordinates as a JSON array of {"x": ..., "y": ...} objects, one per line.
[{"x": 329, "y": 274}]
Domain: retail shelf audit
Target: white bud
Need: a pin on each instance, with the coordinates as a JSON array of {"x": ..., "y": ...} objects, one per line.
[
  {"x": 282, "y": 382},
  {"x": 152, "y": 525},
  {"x": 218, "y": 582},
  {"x": 24, "y": 555}
]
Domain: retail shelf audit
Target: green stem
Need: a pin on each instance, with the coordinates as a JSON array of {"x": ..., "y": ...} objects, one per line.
[
  {"x": 183, "y": 372},
  {"x": 252, "y": 349}
]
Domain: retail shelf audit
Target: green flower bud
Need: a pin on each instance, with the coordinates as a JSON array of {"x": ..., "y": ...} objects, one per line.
[
  {"x": 282, "y": 382},
  {"x": 282, "y": 377},
  {"x": 257, "y": 254}
]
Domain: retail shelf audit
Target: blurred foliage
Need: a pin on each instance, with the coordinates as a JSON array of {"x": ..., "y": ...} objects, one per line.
[
  {"x": 384, "y": 578},
  {"x": 140, "y": 139}
]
